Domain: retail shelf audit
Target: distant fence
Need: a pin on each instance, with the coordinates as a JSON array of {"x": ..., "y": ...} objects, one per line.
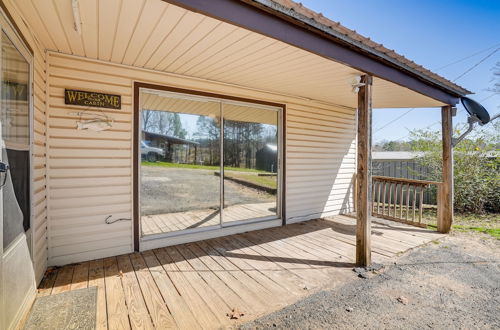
[{"x": 405, "y": 169}]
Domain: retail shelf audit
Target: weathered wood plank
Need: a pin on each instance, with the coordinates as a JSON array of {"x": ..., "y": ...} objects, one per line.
[
  {"x": 115, "y": 297},
  {"x": 158, "y": 311},
  {"x": 196, "y": 304},
  {"x": 137, "y": 311},
  {"x": 47, "y": 283},
  {"x": 254, "y": 272},
  {"x": 182, "y": 315},
  {"x": 80, "y": 276},
  {"x": 63, "y": 280},
  {"x": 446, "y": 202},
  {"x": 218, "y": 307},
  {"x": 227, "y": 293},
  {"x": 96, "y": 278},
  {"x": 363, "y": 176}
]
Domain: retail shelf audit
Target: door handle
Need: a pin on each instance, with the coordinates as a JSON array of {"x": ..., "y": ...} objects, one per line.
[{"x": 4, "y": 167}]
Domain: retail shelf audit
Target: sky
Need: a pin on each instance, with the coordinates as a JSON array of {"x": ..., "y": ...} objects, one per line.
[{"x": 434, "y": 34}]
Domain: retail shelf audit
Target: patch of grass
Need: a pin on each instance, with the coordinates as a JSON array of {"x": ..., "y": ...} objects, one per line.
[
  {"x": 266, "y": 181},
  {"x": 495, "y": 232},
  {"x": 488, "y": 223},
  {"x": 200, "y": 167},
  {"x": 483, "y": 223}
]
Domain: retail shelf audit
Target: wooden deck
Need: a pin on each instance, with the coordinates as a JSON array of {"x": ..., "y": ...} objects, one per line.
[
  {"x": 194, "y": 286},
  {"x": 169, "y": 222}
]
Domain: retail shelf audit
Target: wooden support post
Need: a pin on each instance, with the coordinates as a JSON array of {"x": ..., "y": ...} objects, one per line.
[
  {"x": 364, "y": 179},
  {"x": 446, "y": 193}
]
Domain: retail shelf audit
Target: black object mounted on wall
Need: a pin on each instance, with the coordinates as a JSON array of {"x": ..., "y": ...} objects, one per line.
[{"x": 477, "y": 114}]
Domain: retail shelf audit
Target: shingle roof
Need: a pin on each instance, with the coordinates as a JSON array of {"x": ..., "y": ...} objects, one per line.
[{"x": 299, "y": 12}]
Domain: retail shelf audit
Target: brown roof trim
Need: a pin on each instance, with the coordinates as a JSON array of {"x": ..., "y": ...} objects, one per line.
[
  {"x": 289, "y": 9},
  {"x": 253, "y": 16}
]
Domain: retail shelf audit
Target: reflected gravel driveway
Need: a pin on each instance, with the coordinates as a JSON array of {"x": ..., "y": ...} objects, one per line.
[{"x": 165, "y": 190}]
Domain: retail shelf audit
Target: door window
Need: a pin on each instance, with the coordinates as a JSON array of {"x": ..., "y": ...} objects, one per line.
[{"x": 15, "y": 120}]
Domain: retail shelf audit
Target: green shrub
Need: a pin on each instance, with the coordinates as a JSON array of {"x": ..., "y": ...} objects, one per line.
[{"x": 476, "y": 166}]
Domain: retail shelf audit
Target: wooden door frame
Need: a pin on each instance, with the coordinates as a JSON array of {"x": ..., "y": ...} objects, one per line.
[{"x": 135, "y": 158}]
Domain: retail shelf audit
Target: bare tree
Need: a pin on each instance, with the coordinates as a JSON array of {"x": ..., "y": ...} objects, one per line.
[
  {"x": 496, "y": 79},
  {"x": 147, "y": 116}
]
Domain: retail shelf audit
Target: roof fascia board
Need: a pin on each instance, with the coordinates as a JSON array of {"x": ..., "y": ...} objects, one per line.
[
  {"x": 347, "y": 40},
  {"x": 263, "y": 22}
]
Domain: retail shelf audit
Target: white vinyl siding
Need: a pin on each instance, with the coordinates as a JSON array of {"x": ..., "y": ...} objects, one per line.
[
  {"x": 39, "y": 179},
  {"x": 320, "y": 161},
  {"x": 90, "y": 173}
]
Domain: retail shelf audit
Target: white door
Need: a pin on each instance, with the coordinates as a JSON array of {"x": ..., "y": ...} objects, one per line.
[{"x": 17, "y": 278}]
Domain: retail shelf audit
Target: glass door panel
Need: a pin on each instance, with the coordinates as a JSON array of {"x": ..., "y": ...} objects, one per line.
[
  {"x": 180, "y": 162},
  {"x": 250, "y": 149},
  {"x": 15, "y": 119}
]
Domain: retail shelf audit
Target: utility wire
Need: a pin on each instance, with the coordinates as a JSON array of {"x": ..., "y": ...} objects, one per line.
[
  {"x": 475, "y": 65},
  {"x": 437, "y": 122},
  {"x": 392, "y": 121},
  {"x": 460, "y": 76},
  {"x": 467, "y": 57}
]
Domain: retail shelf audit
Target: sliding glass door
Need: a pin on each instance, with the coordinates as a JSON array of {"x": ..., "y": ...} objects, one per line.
[
  {"x": 206, "y": 163},
  {"x": 250, "y": 147},
  {"x": 180, "y": 153}
]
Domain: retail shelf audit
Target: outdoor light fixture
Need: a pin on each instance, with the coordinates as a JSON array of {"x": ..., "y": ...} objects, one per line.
[
  {"x": 477, "y": 114},
  {"x": 356, "y": 84},
  {"x": 76, "y": 17}
]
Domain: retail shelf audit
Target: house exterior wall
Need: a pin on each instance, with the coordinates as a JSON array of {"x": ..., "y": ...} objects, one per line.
[
  {"x": 90, "y": 173},
  {"x": 39, "y": 201}
]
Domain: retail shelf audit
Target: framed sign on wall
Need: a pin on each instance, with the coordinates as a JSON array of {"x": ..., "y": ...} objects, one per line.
[{"x": 92, "y": 99}]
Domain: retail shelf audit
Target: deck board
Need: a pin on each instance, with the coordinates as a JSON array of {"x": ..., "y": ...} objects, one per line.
[
  {"x": 195, "y": 285},
  {"x": 176, "y": 221},
  {"x": 96, "y": 278}
]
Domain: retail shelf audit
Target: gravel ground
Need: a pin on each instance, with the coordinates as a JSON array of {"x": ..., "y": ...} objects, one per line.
[
  {"x": 165, "y": 190},
  {"x": 451, "y": 284}
]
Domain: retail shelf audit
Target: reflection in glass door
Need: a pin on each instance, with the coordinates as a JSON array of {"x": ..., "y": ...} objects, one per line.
[
  {"x": 180, "y": 152},
  {"x": 250, "y": 162},
  {"x": 184, "y": 183}
]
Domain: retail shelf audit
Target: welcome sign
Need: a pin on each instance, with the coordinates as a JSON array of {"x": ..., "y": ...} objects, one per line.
[{"x": 92, "y": 99}]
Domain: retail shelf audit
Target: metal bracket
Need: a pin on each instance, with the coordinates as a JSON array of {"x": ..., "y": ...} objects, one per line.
[{"x": 471, "y": 120}]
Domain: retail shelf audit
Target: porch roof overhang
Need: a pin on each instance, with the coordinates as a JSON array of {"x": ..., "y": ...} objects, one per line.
[
  {"x": 303, "y": 28},
  {"x": 244, "y": 43}
]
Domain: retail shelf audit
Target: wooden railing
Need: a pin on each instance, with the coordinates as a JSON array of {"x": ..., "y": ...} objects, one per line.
[{"x": 400, "y": 199}]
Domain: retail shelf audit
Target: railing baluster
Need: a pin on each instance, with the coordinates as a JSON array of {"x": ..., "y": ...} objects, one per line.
[
  {"x": 401, "y": 201},
  {"x": 395, "y": 200},
  {"x": 407, "y": 201},
  {"x": 373, "y": 198},
  {"x": 379, "y": 184},
  {"x": 383, "y": 198},
  {"x": 387, "y": 190},
  {"x": 414, "y": 202},
  {"x": 421, "y": 204},
  {"x": 389, "y": 200}
]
